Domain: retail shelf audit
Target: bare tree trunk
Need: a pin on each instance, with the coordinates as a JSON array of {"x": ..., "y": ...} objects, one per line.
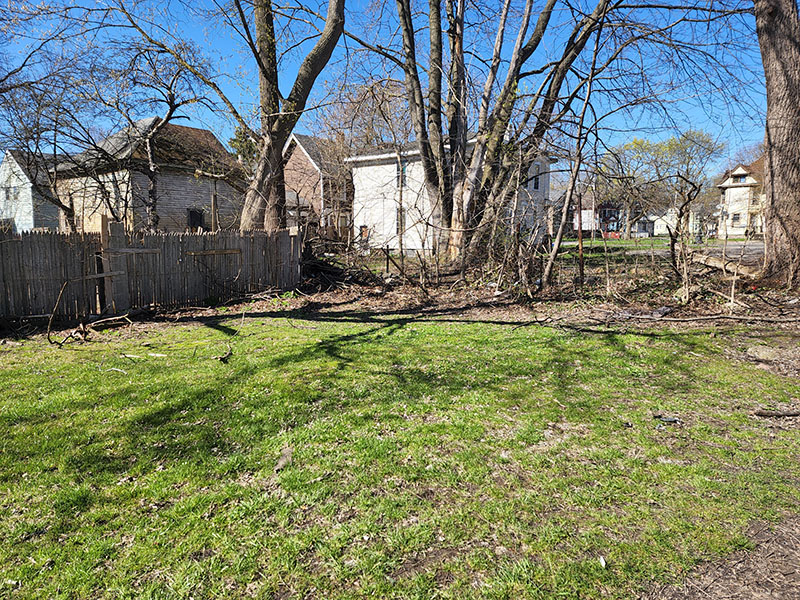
[
  {"x": 628, "y": 223},
  {"x": 68, "y": 210},
  {"x": 778, "y": 28},
  {"x": 456, "y": 111},
  {"x": 265, "y": 200}
]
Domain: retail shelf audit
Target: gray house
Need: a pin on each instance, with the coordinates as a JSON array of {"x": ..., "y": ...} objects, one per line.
[{"x": 23, "y": 188}]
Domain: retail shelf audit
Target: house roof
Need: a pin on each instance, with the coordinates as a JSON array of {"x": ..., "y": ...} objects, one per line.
[
  {"x": 755, "y": 170},
  {"x": 384, "y": 150},
  {"x": 35, "y": 166},
  {"x": 322, "y": 152},
  {"x": 311, "y": 145},
  {"x": 409, "y": 149},
  {"x": 173, "y": 145}
]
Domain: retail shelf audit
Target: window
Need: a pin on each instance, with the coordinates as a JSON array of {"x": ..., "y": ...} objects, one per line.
[
  {"x": 536, "y": 176},
  {"x": 736, "y": 218},
  {"x": 739, "y": 178},
  {"x": 196, "y": 219},
  {"x": 363, "y": 231},
  {"x": 401, "y": 220}
]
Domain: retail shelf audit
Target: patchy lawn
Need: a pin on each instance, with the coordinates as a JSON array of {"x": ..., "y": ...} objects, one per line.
[{"x": 430, "y": 459}]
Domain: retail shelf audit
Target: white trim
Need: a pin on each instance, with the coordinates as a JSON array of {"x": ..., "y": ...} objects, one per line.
[
  {"x": 308, "y": 156},
  {"x": 393, "y": 155}
]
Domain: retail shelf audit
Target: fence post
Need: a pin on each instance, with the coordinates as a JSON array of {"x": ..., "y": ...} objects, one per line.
[{"x": 113, "y": 238}]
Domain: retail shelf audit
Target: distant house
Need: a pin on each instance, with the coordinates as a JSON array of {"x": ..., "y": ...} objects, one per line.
[
  {"x": 665, "y": 221},
  {"x": 596, "y": 215},
  {"x": 198, "y": 184},
  {"x": 391, "y": 207},
  {"x": 742, "y": 200},
  {"x": 609, "y": 218},
  {"x": 319, "y": 189},
  {"x": 24, "y": 187}
]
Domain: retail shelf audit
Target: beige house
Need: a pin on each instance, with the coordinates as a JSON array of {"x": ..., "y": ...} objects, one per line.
[
  {"x": 197, "y": 183},
  {"x": 742, "y": 200}
]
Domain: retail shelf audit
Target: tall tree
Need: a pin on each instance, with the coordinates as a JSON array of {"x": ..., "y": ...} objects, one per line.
[
  {"x": 778, "y": 28},
  {"x": 534, "y": 58},
  {"x": 254, "y": 23}
]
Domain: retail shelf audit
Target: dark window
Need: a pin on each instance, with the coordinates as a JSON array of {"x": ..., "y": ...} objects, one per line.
[
  {"x": 196, "y": 219},
  {"x": 401, "y": 220},
  {"x": 739, "y": 178},
  {"x": 536, "y": 176},
  {"x": 736, "y": 218},
  {"x": 364, "y": 232}
]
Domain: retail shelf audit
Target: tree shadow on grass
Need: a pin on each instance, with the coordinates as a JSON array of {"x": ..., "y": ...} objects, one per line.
[{"x": 197, "y": 423}]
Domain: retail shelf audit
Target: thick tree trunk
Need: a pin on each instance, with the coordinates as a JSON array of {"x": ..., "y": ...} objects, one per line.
[
  {"x": 69, "y": 218},
  {"x": 265, "y": 200},
  {"x": 778, "y": 29}
]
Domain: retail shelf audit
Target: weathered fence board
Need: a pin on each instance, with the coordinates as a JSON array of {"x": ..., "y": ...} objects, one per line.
[
  {"x": 118, "y": 271},
  {"x": 35, "y": 266}
]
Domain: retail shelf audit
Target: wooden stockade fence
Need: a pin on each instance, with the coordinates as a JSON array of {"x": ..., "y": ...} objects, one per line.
[{"x": 83, "y": 274}]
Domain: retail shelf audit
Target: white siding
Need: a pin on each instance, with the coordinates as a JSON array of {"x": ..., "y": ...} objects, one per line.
[
  {"x": 533, "y": 198},
  {"x": 377, "y": 199},
  {"x": 741, "y": 206},
  {"x": 19, "y": 202}
]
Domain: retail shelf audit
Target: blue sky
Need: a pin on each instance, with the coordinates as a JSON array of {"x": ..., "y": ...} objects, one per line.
[{"x": 722, "y": 113}]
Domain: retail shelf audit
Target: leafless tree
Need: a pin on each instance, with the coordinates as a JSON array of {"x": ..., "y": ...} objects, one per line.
[
  {"x": 540, "y": 62},
  {"x": 778, "y": 28}
]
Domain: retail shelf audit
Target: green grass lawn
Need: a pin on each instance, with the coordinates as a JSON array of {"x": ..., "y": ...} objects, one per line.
[{"x": 431, "y": 460}]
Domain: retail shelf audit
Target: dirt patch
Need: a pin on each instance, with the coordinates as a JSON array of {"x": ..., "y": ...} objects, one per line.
[
  {"x": 777, "y": 354},
  {"x": 428, "y": 561},
  {"x": 770, "y": 570}
]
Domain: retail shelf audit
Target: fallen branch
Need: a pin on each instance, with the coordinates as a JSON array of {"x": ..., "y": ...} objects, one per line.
[
  {"x": 728, "y": 298},
  {"x": 111, "y": 322},
  {"x": 713, "y": 318},
  {"x": 725, "y": 265},
  {"x": 777, "y": 413},
  {"x": 223, "y": 358}
]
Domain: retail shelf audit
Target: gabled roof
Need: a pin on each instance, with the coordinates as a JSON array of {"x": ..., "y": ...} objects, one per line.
[
  {"x": 321, "y": 152},
  {"x": 173, "y": 145},
  {"x": 35, "y": 166},
  {"x": 755, "y": 170},
  {"x": 311, "y": 146}
]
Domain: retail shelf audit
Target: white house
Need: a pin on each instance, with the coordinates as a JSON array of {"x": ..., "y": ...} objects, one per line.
[
  {"x": 23, "y": 183},
  {"x": 391, "y": 207},
  {"x": 665, "y": 221},
  {"x": 742, "y": 200}
]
